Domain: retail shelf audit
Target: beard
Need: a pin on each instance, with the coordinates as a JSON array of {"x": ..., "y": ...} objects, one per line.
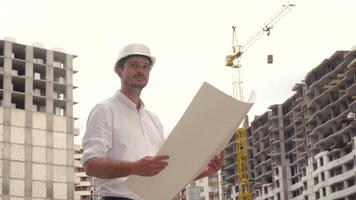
[
  {"x": 139, "y": 86},
  {"x": 138, "y": 81}
]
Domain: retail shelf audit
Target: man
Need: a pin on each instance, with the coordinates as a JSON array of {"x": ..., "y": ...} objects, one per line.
[{"x": 122, "y": 137}]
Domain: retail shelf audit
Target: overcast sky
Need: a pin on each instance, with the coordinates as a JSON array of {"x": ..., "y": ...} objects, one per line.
[{"x": 190, "y": 39}]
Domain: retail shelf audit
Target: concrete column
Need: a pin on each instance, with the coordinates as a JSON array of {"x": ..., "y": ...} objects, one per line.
[
  {"x": 346, "y": 185},
  {"x": 49, "y": 158},
  {"x": 321, "y": 193},
  {"x": 29, "y": 79},
  {"x": 28, "y": 157},
  {"x": 326, "y": 158},
  {"x": 328, "y": 190},
  {"x": 319, "y": 178},
  {"x": 69, "y": 85},
  {"x": 7, "y": 89},
  {"x": 318, "y": 163},
  {"x": 49, "y": 82},
  {"x": 7, "y": 74},
  {"x": 327, "y": 175},
  {"x": 284, "y": 163},
  {"x": 49, "y": 126},
  {"x": 7, "y": 120},
  {"x": 28, "y": 119},
  {"x": 310, "y": 178},
  {"x": 68, "y": 65},
  {"x": 70, "y": 180},
  {"x": 6, "y": 154}
]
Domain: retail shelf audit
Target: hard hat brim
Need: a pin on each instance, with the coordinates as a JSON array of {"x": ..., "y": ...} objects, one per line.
[
  {"x": 134, "y": 50},
  {"x": 151, "y": 58}
]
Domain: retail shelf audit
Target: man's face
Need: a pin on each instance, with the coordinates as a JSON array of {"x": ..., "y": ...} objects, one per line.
[{"x": 136, "y": 72}]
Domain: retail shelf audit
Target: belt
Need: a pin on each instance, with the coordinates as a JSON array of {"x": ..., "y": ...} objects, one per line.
[{"x": 115, "y": 198}]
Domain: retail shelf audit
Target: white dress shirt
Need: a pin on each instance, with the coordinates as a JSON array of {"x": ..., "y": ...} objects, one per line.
[{"x": 116, "y": 130}]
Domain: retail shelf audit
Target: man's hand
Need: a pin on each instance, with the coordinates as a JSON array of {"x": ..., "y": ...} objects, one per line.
[
  {"x": 149, "y": 166},
  {"x": 214, "y": 165}
]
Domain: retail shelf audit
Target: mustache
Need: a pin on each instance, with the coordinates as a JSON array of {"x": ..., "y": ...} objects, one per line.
[{"x": 139, "y": 75}]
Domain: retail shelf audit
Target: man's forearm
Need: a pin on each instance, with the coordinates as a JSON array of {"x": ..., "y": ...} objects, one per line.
[{"x": 103, "y": 168}]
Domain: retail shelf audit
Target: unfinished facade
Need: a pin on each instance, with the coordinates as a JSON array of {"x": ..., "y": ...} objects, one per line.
[
  {"x": 209, "y": 187},
  {"x": 330, "y": 97},
  {"x": 305, "y": 148},
  {"x": 279, "y": 149},
  {"x": 84, "y": 186},
  {"x": 36, "y": 122},
  {"x": 229, "y": 171}
]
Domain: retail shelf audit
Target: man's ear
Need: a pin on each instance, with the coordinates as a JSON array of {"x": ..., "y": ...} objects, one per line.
[{"x": 119, "y": 72}]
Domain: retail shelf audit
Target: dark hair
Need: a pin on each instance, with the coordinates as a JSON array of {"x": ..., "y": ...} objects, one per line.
[{"x": 120, "y": 63}]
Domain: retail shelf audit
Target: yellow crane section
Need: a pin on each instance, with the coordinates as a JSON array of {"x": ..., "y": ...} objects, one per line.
[{"x": 233, "y": 61}]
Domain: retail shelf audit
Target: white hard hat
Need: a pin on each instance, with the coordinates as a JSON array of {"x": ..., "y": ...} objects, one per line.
[{"x": 135, "y": 49}]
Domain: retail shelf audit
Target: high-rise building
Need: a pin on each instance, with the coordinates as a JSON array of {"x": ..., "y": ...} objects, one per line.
[
  {"x": 229, "y": 171},
  {"x": 84, "y": 185},
  {"x": 209, "y": 187},
  {"x": 305, "y": 148},
  {"x": 36, "y": 122}
]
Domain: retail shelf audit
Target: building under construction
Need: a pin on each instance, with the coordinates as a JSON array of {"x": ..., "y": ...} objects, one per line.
[
  {"x": 84, "y": 186},
  {"x": 235, "y": 173},
  {"x": 36, "y": 122},
  {"x": 305, "y": 148}
]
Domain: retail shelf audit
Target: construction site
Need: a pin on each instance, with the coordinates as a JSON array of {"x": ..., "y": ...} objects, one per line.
[{"x": 303, "y": 148}]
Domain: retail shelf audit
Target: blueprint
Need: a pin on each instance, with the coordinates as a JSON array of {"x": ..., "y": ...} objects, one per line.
[{"x": 203, "y": 131}]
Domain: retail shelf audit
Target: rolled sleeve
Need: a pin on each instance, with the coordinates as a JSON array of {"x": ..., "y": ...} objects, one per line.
[{"x": 97, "y": 139}]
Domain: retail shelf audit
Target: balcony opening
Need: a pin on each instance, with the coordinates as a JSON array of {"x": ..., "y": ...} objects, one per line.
[
  {"x": 39, "y": 104},
  {"x": 39, "y": 88},
  {"x": 59, "y": 109},
  {"x": 39, "y": 56},
  {"x": 1, "y": 65},
  {"x": 39, "y": 72},
  {"x": 350, "y": 182},
  {"x": 17, "y": 101},
  {"x": 18, "y": 84},
  {"x": 337, "y": 187},
  {"x": 1, "y": 82},
  {"x": 317, "y": 195},
  {"x": 1, "y": 48},
  {"x": 316, "y": 181},
  {"x": 18, "y": 68},
  {"x": 18, "y": 51},
  {"x": 59, "y": 59}
]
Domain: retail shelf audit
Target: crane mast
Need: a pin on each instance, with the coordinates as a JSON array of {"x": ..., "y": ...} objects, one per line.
[{"x": 233, "y": 61}]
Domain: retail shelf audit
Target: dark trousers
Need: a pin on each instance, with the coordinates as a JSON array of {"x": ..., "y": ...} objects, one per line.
[{"x": 115, "y": 198}]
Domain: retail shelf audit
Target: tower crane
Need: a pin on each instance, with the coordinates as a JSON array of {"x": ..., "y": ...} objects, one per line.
[{"x": 233, "y": 61}]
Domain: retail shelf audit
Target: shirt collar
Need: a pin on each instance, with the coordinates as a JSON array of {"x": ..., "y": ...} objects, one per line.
[{"x": 123, "y": 98}]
